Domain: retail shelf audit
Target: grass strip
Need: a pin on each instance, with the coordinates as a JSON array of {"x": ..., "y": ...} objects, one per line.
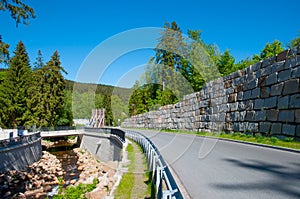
[
  {"x": 253, "y": 138},
  {"x": 124, "y": 190}
]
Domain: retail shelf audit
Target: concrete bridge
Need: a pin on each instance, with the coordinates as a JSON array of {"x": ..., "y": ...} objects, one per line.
[{"x": 62, "y": 133}]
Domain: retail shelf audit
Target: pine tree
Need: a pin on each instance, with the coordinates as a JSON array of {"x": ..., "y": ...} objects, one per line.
[
  {"x": 48, "y": 94},
  {"x": 14, "y": 96},
  {"x": 4, "y": 51},
  {"x": 39, "y": 63},
  {"x": 19, "y": 11},
  {"x": 226, "y": 63},
  {"x": 55, "y": 94},
  {"x": 109, "y": 118}
]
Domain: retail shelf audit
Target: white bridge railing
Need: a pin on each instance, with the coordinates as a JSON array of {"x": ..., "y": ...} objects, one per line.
[{"x": 166, "y": 187}]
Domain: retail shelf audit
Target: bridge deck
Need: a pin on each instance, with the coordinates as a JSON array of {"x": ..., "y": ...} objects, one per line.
[{"x": 61, "y": 133}]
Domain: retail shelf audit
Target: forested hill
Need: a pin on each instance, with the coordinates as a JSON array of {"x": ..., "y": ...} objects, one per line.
[{"x": 122, "y": 93}]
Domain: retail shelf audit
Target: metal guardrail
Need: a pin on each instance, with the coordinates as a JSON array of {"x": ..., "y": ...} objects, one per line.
[
  {"x": 19, "y": 140},
  {"x": 161, "y": 173},
  {"x": 113, "y": 131}
]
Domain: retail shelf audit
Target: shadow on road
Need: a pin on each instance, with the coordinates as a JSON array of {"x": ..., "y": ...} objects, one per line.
[{"x": 285, "y": 179}]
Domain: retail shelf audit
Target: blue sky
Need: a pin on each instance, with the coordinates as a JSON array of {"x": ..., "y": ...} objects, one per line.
[{"x": 75, "y": 28}]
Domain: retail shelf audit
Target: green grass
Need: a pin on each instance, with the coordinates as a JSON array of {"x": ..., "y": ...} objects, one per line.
[
  {"x": 72, "y": 192},
  {"x": 258, "y": 138},
  {"x": 131, "y": 157},
  {"x": 148, "y": 175},
  {"x": 124, "y": 189}
]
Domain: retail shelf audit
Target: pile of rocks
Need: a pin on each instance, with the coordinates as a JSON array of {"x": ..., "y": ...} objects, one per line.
[
  {"x": 91, "y": 169},
  {"x": 42, "y": 176},
  {"x": 35, "y": 182}
]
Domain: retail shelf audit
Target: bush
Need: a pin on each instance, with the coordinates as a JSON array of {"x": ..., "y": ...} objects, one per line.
[
  {"x": 79, "y": 191},
  {"x": 273, "y": 140}
]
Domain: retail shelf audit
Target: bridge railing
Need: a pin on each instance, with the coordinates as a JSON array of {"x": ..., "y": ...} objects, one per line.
[
  {"x": 60, "y": 128},
  {"x": 162, "y": 176},
  {"x": 19, "y": 140},
  {"x": 113, "y": 131}
]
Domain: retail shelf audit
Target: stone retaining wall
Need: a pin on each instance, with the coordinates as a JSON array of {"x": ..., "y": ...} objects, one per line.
[{"x": 263, "y": 98}]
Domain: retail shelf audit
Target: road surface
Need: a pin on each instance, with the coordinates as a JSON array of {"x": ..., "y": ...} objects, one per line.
[{"x": 210, "y": 168}]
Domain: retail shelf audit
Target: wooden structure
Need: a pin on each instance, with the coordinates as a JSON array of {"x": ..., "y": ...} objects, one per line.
[{"x": 98, "y": 118}]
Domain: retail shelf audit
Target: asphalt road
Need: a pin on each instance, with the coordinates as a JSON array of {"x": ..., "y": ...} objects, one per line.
[{"x": 210, "y": 168}]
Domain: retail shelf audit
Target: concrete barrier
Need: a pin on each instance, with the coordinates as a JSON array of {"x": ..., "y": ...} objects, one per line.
[{"x": 19, "y": 152}]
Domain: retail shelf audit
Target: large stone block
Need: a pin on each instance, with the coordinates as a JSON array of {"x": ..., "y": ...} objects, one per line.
[
  {"x": 255, "y": 93},
  {"x": 268, "y": 61},
  {"x": 295, "y": 72},
  {"x": 283, "y": 102},
  {"x": 286, "y": 116},
  {"x": 298, "y": 130},
  {"x": 239, "y": 88},
  {"x": 292, "y": 62},
  {"x": 270, "y": 102},
  {"x": 229, "y": 91},
  {"x": 259, "y": 74},
  {"x": 291, "y": 86},
  {"x": 284, "y": 75},
  {"x": 276, "y": 89},
  {"x": 240, "y": 96},
  {"x": 253, "y": 84},
  {"x": 258, "y": 104},
  {"x": 251, "y": 127},
  {"x": 278, "y": 66},
  {"x": 265, "y": 92},
  {"x": 247, "y": 95},
  {"x": 272, "y": 115},
  {"x": 265, "y": 127},
  {"x": 260, "y": 115},
  {"x": 276, "y": 128},
  {"x": 282, "y": 56},
  {"x": 233, "y": 106},
  {"x": 234, "y": 116},
  {"x": 242, "y": 106},
  {"x": 297, "y": 115},
  {"x": 232, "y": 98},
  {"x": 256, "y": 66},
  {"x": 249, "y": 105},
  {"x": 295, "y": 101},
  {"x": 250, "y": 116},
  {"x": 242, "y": 115},
  {"x": 288, "y": 129},
  {"x": 271, "y": 79},
  {"x": 236, "y": 127}
]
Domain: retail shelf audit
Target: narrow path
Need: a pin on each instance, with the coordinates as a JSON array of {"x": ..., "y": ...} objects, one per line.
[{"x": 139, "y": 189}]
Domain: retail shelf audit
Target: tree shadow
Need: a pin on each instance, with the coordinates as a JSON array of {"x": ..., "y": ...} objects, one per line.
[
  {"x": 149, "y": 182},
  {"x": 286, "y": 181}
]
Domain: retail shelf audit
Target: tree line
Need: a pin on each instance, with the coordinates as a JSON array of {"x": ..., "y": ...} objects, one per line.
[
  {"x": 183, "y": 65},
  {"x": 40, "y": 95},
  {"x": 33, "y": 95}
]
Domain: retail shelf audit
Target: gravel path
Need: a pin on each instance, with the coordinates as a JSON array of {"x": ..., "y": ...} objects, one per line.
[{"x": 139, "y": 189}]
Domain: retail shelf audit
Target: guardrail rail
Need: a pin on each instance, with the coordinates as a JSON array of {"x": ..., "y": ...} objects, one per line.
[
  {"x": 166, "y": 187},
  {"x": 19, "y": 140}
]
